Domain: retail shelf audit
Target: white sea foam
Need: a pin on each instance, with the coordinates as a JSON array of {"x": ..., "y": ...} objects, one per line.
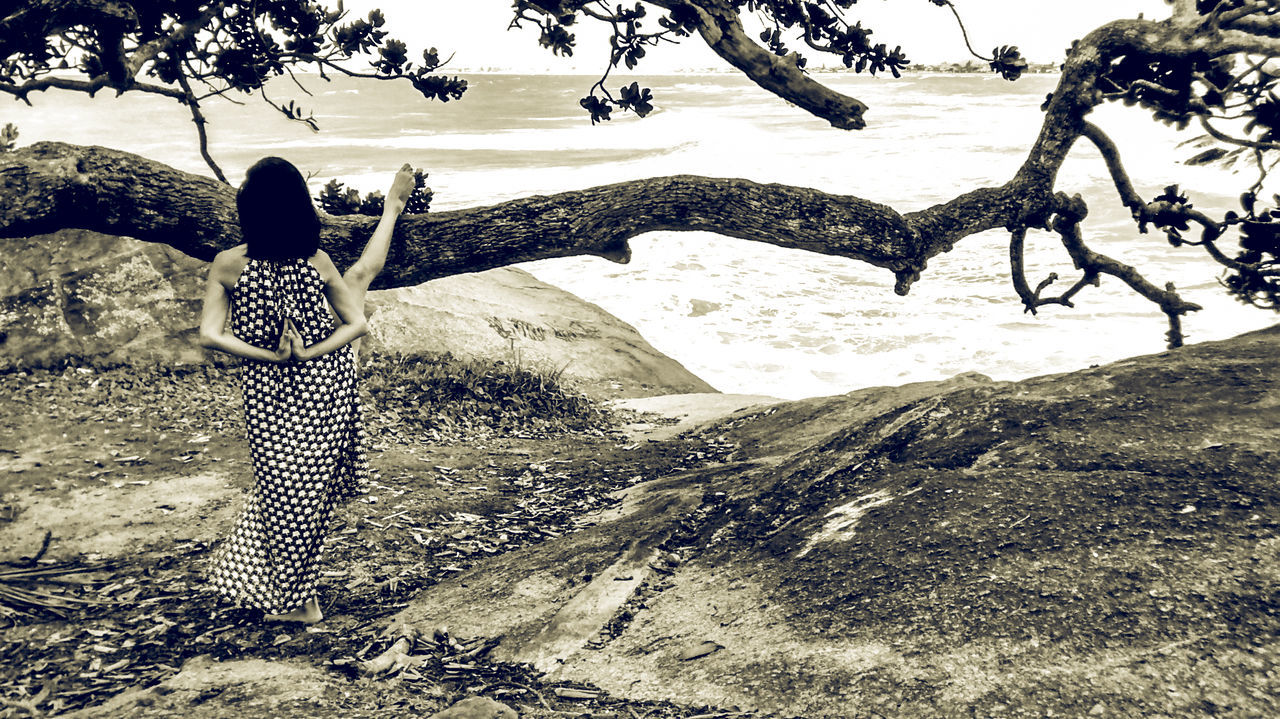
[{"x": 751, "y": 317}]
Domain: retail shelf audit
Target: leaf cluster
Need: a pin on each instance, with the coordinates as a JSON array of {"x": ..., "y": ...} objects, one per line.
[
  {"x": 1008, "y": 62},
  {"x": 817, "y": 25},
  {"x": 191, "y": 50},
  {"x": 1255, "y": 277},
  {"x": 822, "y": 27},
  {"x": 338, "y": 199}
]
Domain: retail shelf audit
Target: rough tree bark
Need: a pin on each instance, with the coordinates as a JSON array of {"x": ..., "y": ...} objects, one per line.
[{"x": 49, "y": 186}]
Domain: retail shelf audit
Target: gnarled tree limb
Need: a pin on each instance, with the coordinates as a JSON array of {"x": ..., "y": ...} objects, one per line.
[
  {"x": 721, "y": 29},
  {"x": 52, "y": 185}
]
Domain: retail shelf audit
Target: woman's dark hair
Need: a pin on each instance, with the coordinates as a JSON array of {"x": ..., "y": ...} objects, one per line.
[{"x": 277, "y": 219}]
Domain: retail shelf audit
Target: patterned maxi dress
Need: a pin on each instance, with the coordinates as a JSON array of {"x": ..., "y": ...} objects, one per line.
[{"x": 305, "y": 440}]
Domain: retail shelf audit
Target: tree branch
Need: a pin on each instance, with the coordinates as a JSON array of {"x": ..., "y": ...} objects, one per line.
[
  {"x": 1232, "y": 17},
  {"x": 197, "y": 116},
  {"x": 1265, "y": 27},
  {"x": 721, "y": 29},
  {"x": 89, "y": 87},
  {"x": 1067, "y": 224},
  {"x": 145, "y": 53},
  {"x": 1111, "y": 156},
  {"x": 51, "y": 185},
  {"x": 1221, "y": 136}
]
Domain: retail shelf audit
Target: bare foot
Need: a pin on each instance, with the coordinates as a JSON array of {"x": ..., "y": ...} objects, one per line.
[{"x": 308, "y": 613}]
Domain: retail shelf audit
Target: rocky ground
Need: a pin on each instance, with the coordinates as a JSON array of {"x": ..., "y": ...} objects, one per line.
[
  {"x": 136, "y": 473},
  {"x": 1101, "y": 543}
]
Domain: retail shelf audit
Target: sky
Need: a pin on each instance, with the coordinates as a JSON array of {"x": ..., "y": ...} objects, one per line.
[{"x": 475, "y": 31}]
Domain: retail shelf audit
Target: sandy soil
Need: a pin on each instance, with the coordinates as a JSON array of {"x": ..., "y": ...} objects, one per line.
[{"x": 673, "y": 414}]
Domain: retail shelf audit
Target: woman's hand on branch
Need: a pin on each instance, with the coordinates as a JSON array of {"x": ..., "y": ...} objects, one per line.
[{"x": 401, "y": 187}]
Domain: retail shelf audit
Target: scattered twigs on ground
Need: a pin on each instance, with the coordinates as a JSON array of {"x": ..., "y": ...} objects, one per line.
[{"x": 18, "y": 597}]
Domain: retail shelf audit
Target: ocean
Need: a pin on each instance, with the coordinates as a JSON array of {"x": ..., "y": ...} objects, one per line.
[{"x": 749, "y": 317}]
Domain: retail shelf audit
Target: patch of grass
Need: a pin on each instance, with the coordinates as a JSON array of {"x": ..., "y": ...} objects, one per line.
[
  {"x": 449, "y": 398},
  {"x": 437, "y": 398}
]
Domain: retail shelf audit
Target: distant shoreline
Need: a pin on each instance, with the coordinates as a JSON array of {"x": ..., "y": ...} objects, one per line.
[{"x": 928, "y": 71}]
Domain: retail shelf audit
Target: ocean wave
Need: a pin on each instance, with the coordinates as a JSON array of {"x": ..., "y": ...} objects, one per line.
[{"x": 747, "y": 316}]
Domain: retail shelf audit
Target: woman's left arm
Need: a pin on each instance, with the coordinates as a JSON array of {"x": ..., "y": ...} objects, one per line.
[
  {"x": 352, "y": 323},
  {"x": 213, "y": 319}
]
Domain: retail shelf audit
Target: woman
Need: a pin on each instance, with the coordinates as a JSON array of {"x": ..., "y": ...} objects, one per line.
[{"x": 294, "y": 317}]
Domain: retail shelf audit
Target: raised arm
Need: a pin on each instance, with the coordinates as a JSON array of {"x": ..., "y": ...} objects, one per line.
[
  {"x": 351, "y": 320},
  {"x": 213, "y": 316},
  {"x": 359, "y": 276}
]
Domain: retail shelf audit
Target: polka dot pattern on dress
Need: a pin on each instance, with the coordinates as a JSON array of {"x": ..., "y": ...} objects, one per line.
[{"x": 306, "y": 440}]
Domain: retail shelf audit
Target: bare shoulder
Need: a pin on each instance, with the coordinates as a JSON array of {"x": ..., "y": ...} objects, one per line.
[
  {"x": 320, "y": 260},
  {"x": 228, "y": 264}
]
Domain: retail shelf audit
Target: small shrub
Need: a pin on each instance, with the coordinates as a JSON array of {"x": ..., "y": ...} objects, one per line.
[
  {"x": 8, "y": 137},
  {"x": 461, "y": 398},
  {"x": 338, "y": 199}
]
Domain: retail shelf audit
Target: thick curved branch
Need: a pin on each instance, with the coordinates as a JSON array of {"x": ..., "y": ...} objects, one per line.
[
  {"x": 47, "y": 186},
  {"x": 89, "y": 87},
  {"x": 147, "y": 52},
  {"x": 721, "y": 28},
  {"x": 1111, "y": 156}
]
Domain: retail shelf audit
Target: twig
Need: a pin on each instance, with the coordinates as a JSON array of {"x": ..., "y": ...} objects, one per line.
[
  {"x": 518, "y": 685},
  {"x": 44, "y": 547},
  {"x": 965, "y": 34},
  {"x": 199, "y": 119},
  {"x": 1067, "y": 224}
]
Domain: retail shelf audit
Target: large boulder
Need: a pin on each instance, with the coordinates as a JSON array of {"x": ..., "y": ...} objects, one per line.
[
  {"x": 509, "y": 314},
  {"x": 1103, "y": 542},
  {"x": 80, "y": 293},
  {"x": 77, "y": 293}
]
